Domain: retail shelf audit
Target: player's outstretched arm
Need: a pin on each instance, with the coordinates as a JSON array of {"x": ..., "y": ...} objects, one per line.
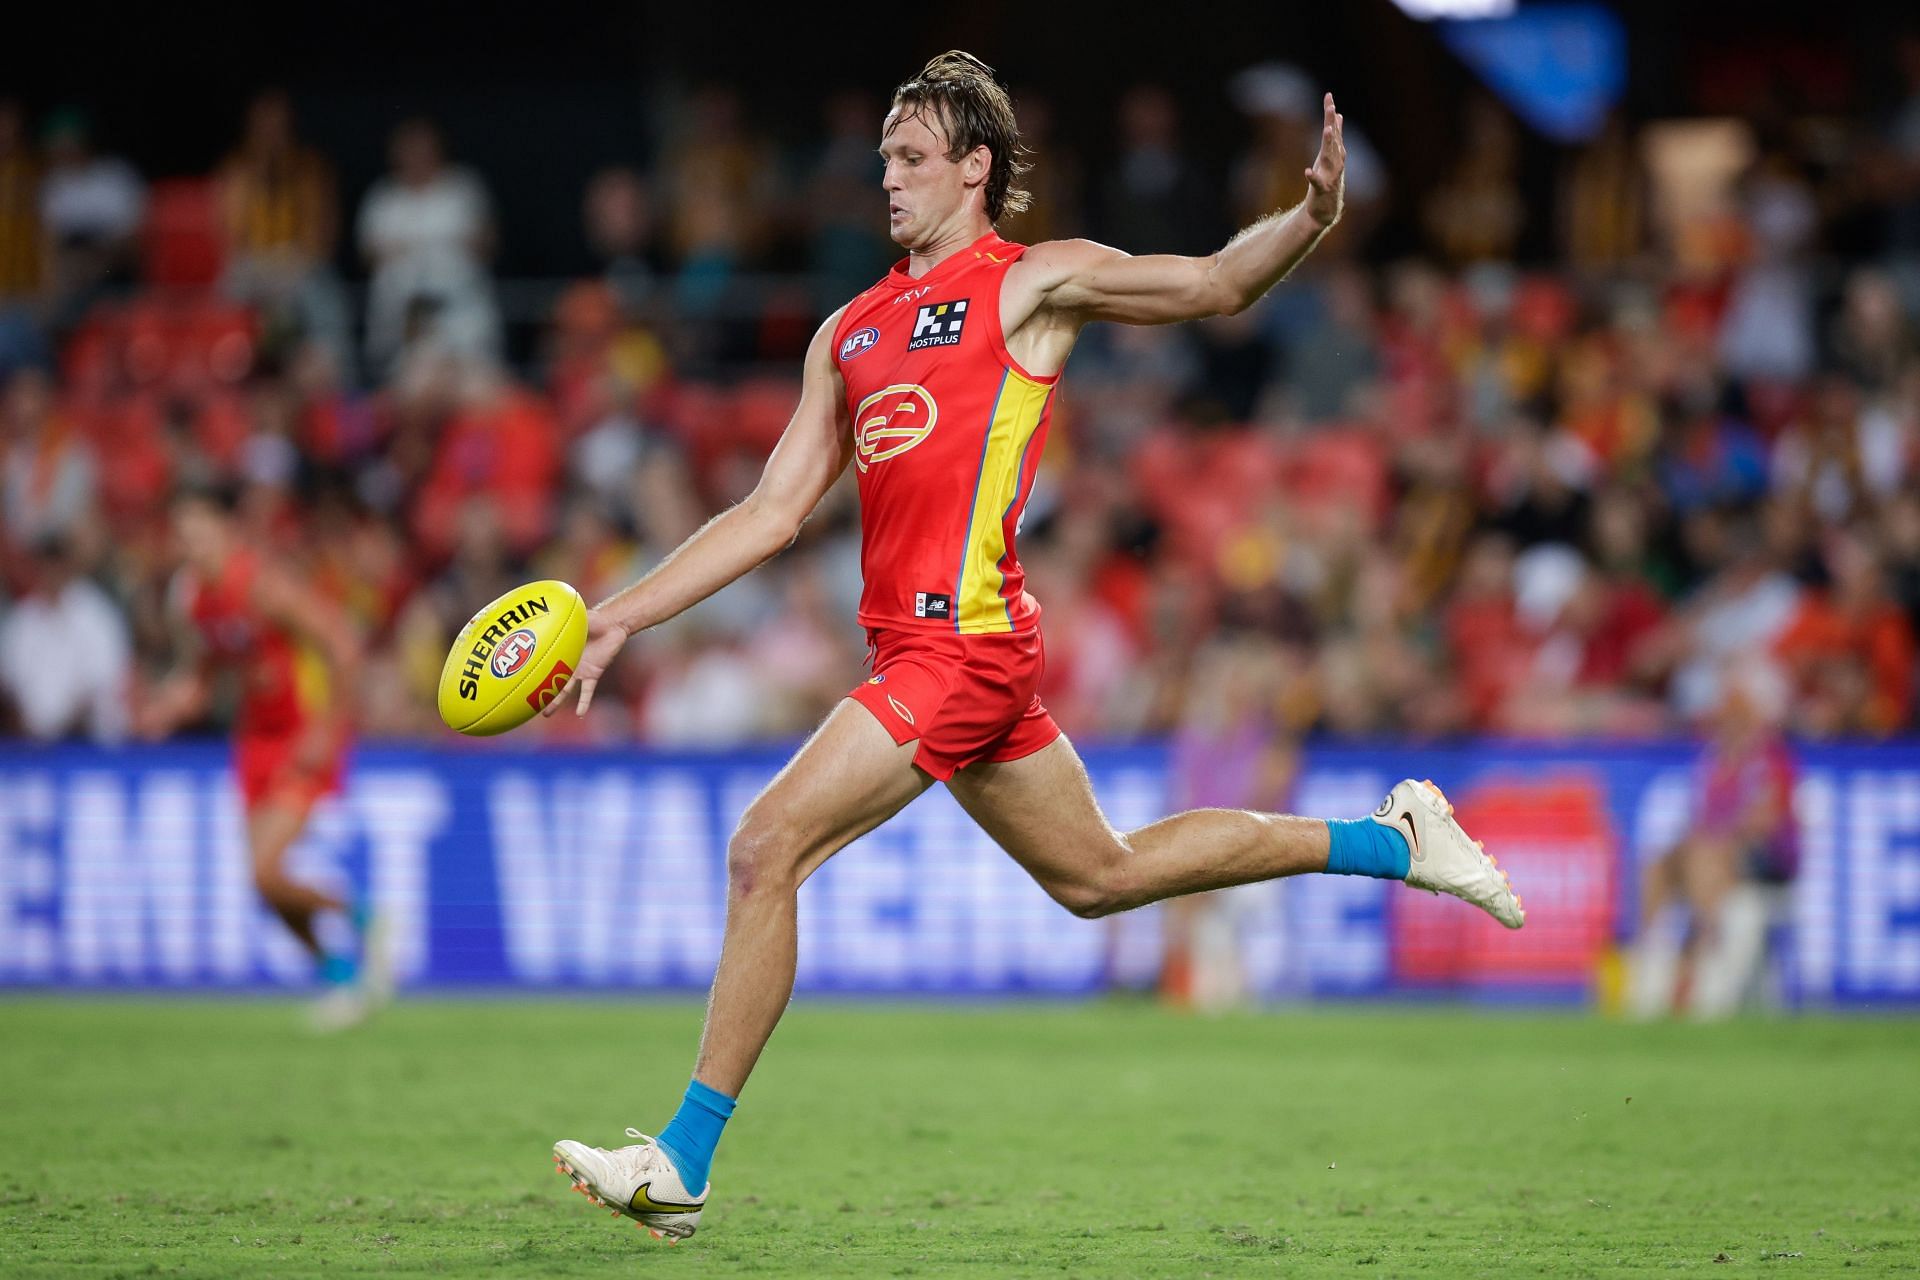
[
  {"x": 811, "y": 454},
  {"x": 1094, "y": 282}
]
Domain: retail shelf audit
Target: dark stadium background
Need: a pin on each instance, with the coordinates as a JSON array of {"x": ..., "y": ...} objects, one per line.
[{"x": 550, "y": 96}]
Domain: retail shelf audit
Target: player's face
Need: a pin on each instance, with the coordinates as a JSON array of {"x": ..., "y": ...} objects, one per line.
[
  {"x": 924, "y": 188},
  {"x": 200, "y": 535}
]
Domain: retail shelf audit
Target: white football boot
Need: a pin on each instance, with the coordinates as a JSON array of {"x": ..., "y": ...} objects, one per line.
[
  {"x": 1444, "y": 859},
  {"x": 639, "y": 1182},
  {"x": 341, "y": 1007}
]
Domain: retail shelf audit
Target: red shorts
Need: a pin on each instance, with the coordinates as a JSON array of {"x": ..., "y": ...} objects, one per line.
[
  {"x": 966, "y": 698},
  {"x": 265, "y": 765}
]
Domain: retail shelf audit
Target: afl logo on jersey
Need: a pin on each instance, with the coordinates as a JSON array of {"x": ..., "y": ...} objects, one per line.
[
  {"x": 513, "y": 653},
  {"x": 892, "y": 421},
  {"x": 859, "y": 342}
]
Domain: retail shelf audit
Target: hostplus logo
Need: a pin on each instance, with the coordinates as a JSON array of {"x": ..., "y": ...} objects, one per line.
[{"x": 938, "y": 324}]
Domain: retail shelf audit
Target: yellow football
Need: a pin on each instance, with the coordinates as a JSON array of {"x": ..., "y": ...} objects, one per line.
[{"x": 512, "y": 658}]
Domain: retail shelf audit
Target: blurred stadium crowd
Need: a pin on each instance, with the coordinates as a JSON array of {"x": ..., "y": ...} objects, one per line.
[{"x": 1450, "y": 492}]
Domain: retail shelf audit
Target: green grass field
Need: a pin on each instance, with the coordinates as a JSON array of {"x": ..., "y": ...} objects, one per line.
[{"x": 217, "y": 1139}]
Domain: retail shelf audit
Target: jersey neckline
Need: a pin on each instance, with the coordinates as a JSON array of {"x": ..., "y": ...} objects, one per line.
[{"x": 899, "y": 272}]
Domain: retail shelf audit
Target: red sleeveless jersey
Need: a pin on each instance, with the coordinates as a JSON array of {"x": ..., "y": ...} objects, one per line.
[
  {"x": 281, "y": 685},
  {"x": 948, "y": 432}
]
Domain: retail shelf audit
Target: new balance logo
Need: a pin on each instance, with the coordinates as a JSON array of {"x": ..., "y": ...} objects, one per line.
[
  {"x": 938, "y": 324},
  {"x": 549, "y": 689}
]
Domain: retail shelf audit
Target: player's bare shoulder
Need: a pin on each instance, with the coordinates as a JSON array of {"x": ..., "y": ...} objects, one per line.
[
  {"x": 1046, "y": 266},
  {"x": 1037, "y": 311},
  {"x": 831, "y": 325},
  {"x": 821, "y": 376}
]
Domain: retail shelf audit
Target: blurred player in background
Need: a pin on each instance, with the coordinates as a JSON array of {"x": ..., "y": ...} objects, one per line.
[
  {"x": 936, "y": 384},
  {"x": 290, "y": 653},
  {"x": 1707, "y": 903},
  {"x": 1229, "y": 752}
]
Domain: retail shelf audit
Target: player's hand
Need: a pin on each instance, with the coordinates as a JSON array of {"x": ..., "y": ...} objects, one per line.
[
  {"x": 605, "y": 639},
  {"x": 162, "y": 709},
  {"x": 1327, "y": 180}
]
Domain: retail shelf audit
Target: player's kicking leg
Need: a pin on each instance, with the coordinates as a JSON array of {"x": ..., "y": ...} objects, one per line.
[
  {"x": 848, "y": 779},
  {"x": 354, "y": 986},
  {"x": 1041, "y": 810}
]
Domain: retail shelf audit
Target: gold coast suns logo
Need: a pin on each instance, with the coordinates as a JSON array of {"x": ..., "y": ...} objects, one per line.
[{"x": 891, "y": 421}]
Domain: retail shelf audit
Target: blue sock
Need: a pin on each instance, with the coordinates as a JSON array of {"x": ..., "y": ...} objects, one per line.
[
  {"x": 693, "y": 1133},
  {"x": 338, "y": 971},
  {"x": 1362, "y": 847}
]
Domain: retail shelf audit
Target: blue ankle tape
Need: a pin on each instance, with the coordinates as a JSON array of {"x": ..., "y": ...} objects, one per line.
[
  {"x": 691, "y": 1136},
  {"x": 1362, "y": 847}
]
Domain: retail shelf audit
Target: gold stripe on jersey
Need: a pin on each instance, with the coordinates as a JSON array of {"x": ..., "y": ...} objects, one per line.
[
  {"x": 1017, "y": 411},
  {"x": 312, "y": 688}
]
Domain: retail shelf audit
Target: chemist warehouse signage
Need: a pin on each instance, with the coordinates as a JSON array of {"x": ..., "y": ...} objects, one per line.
[{"x": 581, "y": 870}]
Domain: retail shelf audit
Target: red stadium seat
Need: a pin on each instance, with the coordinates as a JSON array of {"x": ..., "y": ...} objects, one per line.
[
  {"x": 215, "y": 342},
  {"x": 146, "y": 339},
  {"x": 1544, "y": 309},
  {"x": 90, "y": 361},
  {"x": 222, "y": 426},
  {"x": 136, "y": 469},
  {"x": 181, "y": 342},
  {"x": 184, "y": 246},
  {"x": 698, "y": 414},
  {"x": 761, "y": 409},
  {"x": 1339, "y": 469},
  {"x": 1202, "y": 488}
]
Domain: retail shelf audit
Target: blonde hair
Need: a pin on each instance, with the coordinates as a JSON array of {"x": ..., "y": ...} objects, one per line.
[{"x": 973, "y": 110}]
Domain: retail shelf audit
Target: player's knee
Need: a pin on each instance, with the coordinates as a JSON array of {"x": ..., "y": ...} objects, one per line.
[
  {"x": 1089, "y": 902},
  {"x": 1101, "y": 892},
  {"x": 1085, "y": 901},
  {"x": 757, "y": 857},
  {"x": 270, "y": 883}
]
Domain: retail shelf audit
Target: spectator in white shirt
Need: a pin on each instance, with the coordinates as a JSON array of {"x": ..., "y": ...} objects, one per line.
[
  {"x": 48, "y": 475},
  {"x": 91, "y": 211},
  {"x": 427, "y": 230},
  {"x": 65, "y": 653}
]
